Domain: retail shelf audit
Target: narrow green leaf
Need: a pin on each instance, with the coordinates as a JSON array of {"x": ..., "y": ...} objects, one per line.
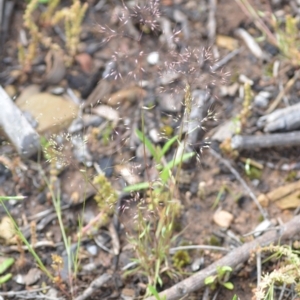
[
  {"x": 153, "y": 291},
  {"x": 209, "y": 280},
  {"x": 163, "y": 231},
  {"x": 148, "y": 144},
  {"x": 5, "y": 278},
  {"x": 12, "y": 198},
  {"x": 137, "y": 187},
  {"x": 228, "y": 285},
  {"x": 226, "y": 269},
  {"x": 168, "y": 145},
  {"x": 159, "y": 280},
  {"x": 165, "y": 174},
  {"x": 6, "y": 264},
  {"x": 180, "y": 159},
  {"x": 143, "y": 233}
]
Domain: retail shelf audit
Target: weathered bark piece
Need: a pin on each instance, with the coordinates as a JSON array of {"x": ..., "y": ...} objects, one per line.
[
  {"x": 290, "y": 139},
  {"x": 233, "y": 259},
  {"x": 281, "y": 119},
  {"x": 16, "y": 127},
  {"x": 94, "y": 286}
]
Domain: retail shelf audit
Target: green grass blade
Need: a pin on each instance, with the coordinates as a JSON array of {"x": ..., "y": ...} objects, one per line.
[
  {"x": 12, "y": 198},
  {"x": 6, "y": 264},
  {"x": 5, "y": 278},
  {"x": 165, "y": 174},
  {"x": 153, "y": 291},
  {"x": 167, "y": 146},
  {"x": 24, "y": 240},
  {"x": 228, "y": 285},
  {"x": 137, "y": 187},
  {"x": 148, "y": 145}
]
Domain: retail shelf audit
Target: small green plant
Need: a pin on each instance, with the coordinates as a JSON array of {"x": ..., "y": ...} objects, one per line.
[
  {"x": 288, "y": 273},
  {"x": 152, "y": 291},
  {"x": 252, "y": 171},
  {"x": 221, "y": 278},
  {"x": 156, "y": 213},
  {"x": 26, "y": 242},
  {"x": 158, "y": 154},
  {"x": 222, "y": 191},
  {"x": 4, "y": 266},
  {"x": 285, "y": 37}
]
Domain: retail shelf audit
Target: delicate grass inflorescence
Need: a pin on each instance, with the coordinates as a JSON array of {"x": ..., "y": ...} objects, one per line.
[{"x": 159, "y": 207}]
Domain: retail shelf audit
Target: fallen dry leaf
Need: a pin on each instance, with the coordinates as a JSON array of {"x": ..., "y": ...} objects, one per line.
[
  {"x": 227, "y": 42},
  {"x": 127, "y": 95},
  {"x": 285, "y": 197},
  {"x": 30, "y": 278},
  {"x": 283, "y": 191},
  {"x": 106, "y": 112},
  {"x": 7, "y": 230},
  {"x": 127, "y": 174},
  {"x": 290, "y": 201},
  {"x": 99, "y": 94}
]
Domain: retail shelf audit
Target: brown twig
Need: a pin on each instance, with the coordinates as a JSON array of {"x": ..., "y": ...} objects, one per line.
[
  {"x": 95, "y": 285},
  {"x": 233, "y": 259}
]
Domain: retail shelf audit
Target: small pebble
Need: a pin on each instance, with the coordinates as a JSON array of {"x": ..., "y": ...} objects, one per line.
[
  {"x": 196, "y": 265},
  {"x": 223, "y": 218},
  {"x": 92, "y": 249},
  {"x": 140, "y": 152},
  {"x": 262, "y": 99},
  {"x": 153, "y": 58},
  {"x": 155, "y": 135},
  {"x": 57, "y": 90},
  {"x": 265, "y": 224}
]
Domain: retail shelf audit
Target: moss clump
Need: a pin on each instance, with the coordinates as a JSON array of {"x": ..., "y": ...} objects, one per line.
[
  {"x": 214, "y": 241},
  {"x": 291, "y": 176},
  {"x": 181, "y": 258}
]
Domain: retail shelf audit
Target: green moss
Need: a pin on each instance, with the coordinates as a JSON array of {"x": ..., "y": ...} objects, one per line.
[
  {"x": 181, "y": 258},
  {"x": 214, "y": 241},
  {"x": 291, "y": 176},
  {"x": 167, "y": 130}
]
